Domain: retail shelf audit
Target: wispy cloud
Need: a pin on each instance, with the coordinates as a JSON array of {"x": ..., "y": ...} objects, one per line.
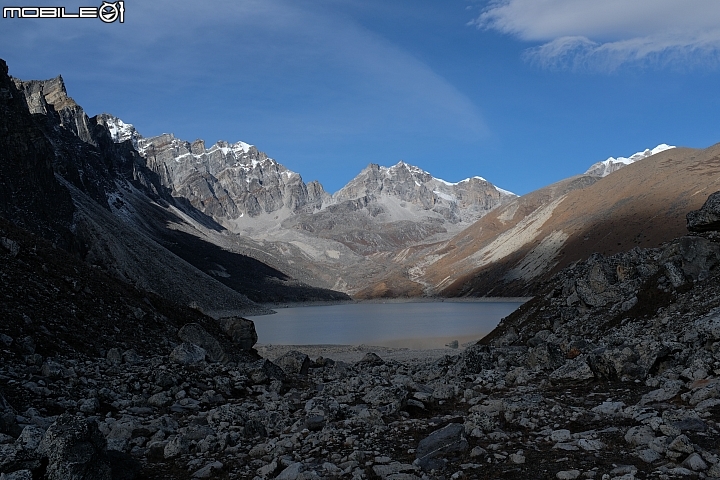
[
  {"x": 605, "y": 35},
  {"x": 311, "y": 66}
]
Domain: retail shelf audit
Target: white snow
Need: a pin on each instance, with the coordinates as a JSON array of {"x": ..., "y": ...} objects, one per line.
[
  {"x": 506, "y": 192},
  {"x": 121, "y": 131},
  {"x": 608, "y": 166}
]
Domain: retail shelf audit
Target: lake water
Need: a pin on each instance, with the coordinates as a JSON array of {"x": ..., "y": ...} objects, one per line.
[{"x": 412, "y": 325}]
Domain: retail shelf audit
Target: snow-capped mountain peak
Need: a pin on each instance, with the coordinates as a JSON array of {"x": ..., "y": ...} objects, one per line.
[
  {"x": 606, "y": 167},
  {"x": 119, "y": 130}
]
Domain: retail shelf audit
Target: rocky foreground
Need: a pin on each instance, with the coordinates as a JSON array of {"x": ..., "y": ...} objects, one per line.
[{"x": 611, "y": 372}]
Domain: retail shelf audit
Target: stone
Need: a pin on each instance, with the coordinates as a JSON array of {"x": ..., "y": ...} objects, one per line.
[
  {"x": 241, "y": 331},
  {"x": 574, "y": 371},
  {"x": 114, "y": 356},
  {"x": 695, "y": 462},
  {"x": 31, "y": 437},
  {"x": 609, "y": 408},
  {"x": 567, "y": 474},
  {"x": 293, "y": 363},
  {"x": 560, "y": 435},
  {"x": 516, "y": 458},
  {"x": 18, "y": 475},
  {"x": 707, "y": 218},
  {"x": 89, "y": 405},
  {"x": 433, "y": 449},
  {"x": 10, "y": 246},
  {"x": 681, "y": 444},
  {"x": 291, "y": 472},
  {"x": 648, "y": 455},
  {"x": 194, "y": 333},
  {"x": 209, "y": 471},
  {"x": 75, "y": 450},
  {"x": 160, "y": 400},
  {"x": 639, "y": 436},
  {"x": 590, "y": 445},
  {"x": 387, "y": 399},
  {"x": 660, "y": 395},
  {"x": 187, "y": 354},
  {"x": 176, "y": 447},
  {"x": 371, "y": 358}
]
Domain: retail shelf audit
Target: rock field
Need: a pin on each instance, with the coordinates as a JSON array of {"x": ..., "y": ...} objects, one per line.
[{"x": 610, "y": 372}]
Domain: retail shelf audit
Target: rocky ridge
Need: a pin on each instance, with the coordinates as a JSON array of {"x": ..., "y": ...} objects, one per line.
[
  {"x": 610, "y": 373},
  {"x": 80, "y": 182}
]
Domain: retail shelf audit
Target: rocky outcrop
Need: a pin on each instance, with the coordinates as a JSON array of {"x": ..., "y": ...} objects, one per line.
[
  {"x": 228, "y": 181},
  {"x": 708, "y": 217}
]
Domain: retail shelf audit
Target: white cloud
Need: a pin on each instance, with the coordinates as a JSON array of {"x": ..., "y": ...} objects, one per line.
[{"x": 592, "y": 34}]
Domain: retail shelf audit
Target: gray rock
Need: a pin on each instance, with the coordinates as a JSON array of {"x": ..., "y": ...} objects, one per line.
[
  {"x": 648, "y": 455},
  {"x": 89, "y": 405},
  {"x": 120, "y": 434},
  {"x": 695, "y": 462},
  {"x": 371, "y": 358},
  {"x": 707, "y": 218},
  {"x": 209, "y": 471},
  {"x": 294, "y": 363},
  {"x": 387, "y": 399},
  {"x": 546, "y": 356},
  {"x": 19, "y": 475},
  {"x": 432, "y": 449},
  {"x": 241, "y": 330},
  {"x": 187, "y": 354},
  {"x": 639, "y": 436},
  {"x": 31, "y": 437},
  {"x": 75, "y": 450},
  {"x": 576, "y": 370},
  {"x": 567, "y": 474},
  {"x": 681, "y": 444},
  {"x": 291, "y": 472},
  {"x": 10, "y": 246},
  {"x": 194, "y": 333},
  {"x": 660, "y": 395},
  {"x": 114, "y": 356},
  {"x": 176, "y": 447},
  {"x": 160, "y": 400}
]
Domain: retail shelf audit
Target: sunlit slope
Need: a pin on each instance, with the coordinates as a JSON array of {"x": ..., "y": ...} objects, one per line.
[{"x": 526, "y": 240}]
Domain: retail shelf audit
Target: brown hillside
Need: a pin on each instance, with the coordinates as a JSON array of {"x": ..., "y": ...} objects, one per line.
[{"x": 525, "y": 241}]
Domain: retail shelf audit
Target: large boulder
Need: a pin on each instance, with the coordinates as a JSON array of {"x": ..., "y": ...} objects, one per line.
[
  {"x": 707, "y": 218},
  {"x": 241, "y": 330},
  {"x": 194, "y": 333},
  {"x": 432, "y": 451},
  {"x": 294, "y": 363},
  {"x": 75, "y": 450},
  {"x": 187, "y": 354}
]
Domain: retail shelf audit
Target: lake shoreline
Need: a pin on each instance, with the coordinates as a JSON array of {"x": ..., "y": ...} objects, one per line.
[{"x": 322, "y": 303}]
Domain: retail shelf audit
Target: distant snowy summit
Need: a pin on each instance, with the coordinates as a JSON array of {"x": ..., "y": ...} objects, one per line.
[
  {"x": 606, "y": 167},
  {"x": 466, "y": 200}
]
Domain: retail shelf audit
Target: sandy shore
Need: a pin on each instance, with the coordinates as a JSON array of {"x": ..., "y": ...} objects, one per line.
[{"x": 353, "y": 353}]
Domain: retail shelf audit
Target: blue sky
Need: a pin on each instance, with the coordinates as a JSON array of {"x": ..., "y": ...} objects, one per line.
[{"x": 521, "y": 92}]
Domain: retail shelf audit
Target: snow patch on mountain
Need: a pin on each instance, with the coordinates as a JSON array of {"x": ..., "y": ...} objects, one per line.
[
  {"x": 612, "y": 164},
  {"x": 119, "y": 130}
]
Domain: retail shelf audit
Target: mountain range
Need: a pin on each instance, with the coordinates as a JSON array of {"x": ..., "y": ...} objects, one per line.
[{"x": 224, "y": 226}]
